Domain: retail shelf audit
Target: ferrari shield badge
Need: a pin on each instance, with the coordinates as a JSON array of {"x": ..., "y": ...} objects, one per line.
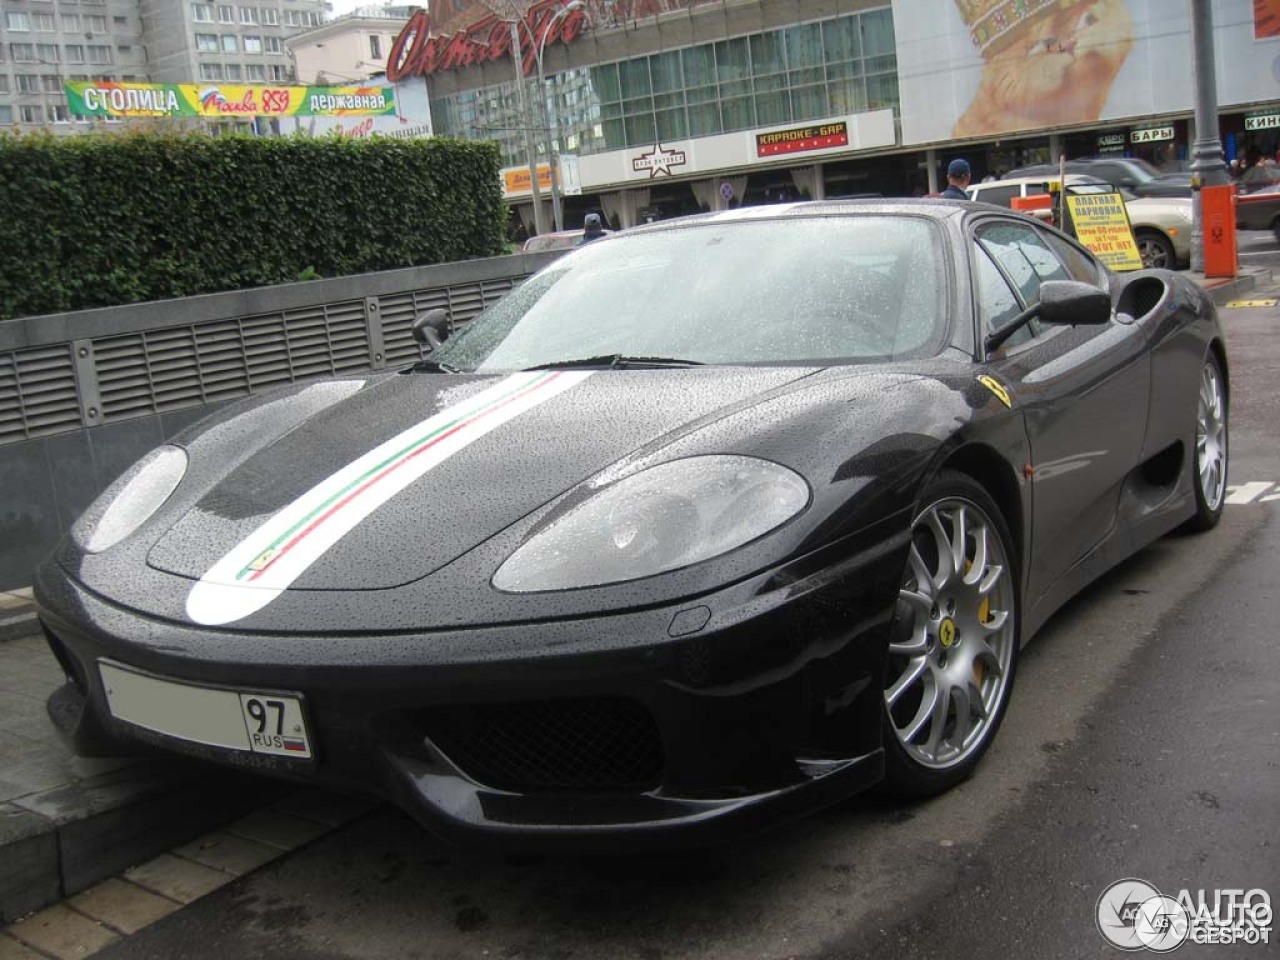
[{"x": 996, "y": 387}]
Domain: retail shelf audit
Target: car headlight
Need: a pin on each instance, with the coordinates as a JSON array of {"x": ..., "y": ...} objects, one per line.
[
  {"x": 126, "y": 504},
  {"x": 660, "y": 519}
]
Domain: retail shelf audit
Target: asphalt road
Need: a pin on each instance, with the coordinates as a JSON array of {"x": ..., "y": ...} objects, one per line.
[{"x": 1143, "y": 741}]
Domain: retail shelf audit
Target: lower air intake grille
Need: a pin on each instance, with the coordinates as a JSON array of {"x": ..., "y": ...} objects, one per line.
[{"x": 598, "y": 745}]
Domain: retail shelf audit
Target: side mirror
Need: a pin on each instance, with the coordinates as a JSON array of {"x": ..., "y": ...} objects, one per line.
[
  {"x": 431, "y": 329},
  {"x": 1070, "y": 302},
  {"x": 1062, "y": 302}
]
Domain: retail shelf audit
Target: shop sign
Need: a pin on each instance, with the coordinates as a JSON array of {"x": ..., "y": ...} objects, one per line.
[
  {"x": 1266, "y": 121},
  {"x": 658, "y": 160},
  {"x": 110, "y": 99},
  {"x": 1151, "y": 134},
  {"x": 415, "y": 53},
  {"x": 802, "y": 139},
  {"x": 1102, "y": 224},
  {"x": 1111, "y": 141}
]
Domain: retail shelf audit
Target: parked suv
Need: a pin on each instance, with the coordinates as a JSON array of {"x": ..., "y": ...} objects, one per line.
[
  {"x": 1137, "y": 176},
  {"x": 1161, "y": 225}
]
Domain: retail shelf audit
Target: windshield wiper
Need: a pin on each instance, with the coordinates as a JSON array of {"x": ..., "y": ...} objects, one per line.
[
  {"x": 615, "y": 360},
  {"x": 433, "y": 366}
]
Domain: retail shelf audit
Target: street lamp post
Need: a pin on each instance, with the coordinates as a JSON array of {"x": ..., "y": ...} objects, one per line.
[
  {"x": 539, "y": 224},
  {"x": 553, "y": 149},
  {"x": 1206, "y": 165}
]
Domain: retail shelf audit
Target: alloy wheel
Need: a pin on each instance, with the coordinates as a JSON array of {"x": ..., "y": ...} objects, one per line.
[
  {"x": 1211, "y": 438},
  {"x": 948, "y": 678}
]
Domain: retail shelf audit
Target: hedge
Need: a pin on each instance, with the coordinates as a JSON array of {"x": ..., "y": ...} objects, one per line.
[{"x": 99, "y": 220}]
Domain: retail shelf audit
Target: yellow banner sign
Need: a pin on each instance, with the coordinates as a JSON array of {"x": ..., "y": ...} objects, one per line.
[
  {"x": 1245, "y": 304},
  {"x": 516, "y": 180},
  {"x": 1102, "y": 225},
  {"x": 112, "y": 99}
]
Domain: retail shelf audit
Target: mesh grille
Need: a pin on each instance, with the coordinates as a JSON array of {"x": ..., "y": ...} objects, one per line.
[
  {"x": 605, "y": 744},
  {"x": 38, "y": 395}
]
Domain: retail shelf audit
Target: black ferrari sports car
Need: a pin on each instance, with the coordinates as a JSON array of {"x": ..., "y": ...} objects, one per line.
[{"x": 707, "y": 524}]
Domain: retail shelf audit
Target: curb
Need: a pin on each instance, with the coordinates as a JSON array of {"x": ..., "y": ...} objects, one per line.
[
  {"x": 18, "y": 623},
  {"x": 1223, "y": 292},
  {"x": 60, "y": 842}
]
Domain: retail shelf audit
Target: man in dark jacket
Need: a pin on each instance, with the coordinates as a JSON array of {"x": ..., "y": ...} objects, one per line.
[
  {"x": 958, "y": 175},
  {"x": 591, "y": 229}
]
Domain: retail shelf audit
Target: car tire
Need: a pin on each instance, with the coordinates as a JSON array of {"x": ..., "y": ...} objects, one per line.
[
  {"x": 1156, "y": 250},
  {"x": 1208, "y": 462},
  {"x": 953, "y": 650}
]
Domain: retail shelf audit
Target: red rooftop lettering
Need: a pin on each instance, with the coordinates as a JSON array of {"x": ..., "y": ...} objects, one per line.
[{"x": 415, "y": 53}]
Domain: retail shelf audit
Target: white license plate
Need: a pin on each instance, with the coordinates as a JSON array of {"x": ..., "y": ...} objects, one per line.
[{"x": 233, "y": 719}]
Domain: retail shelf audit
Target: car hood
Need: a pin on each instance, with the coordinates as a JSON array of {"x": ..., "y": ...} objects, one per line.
[
  {"x": 405, "y": 474},
  {"x": 1160, "y": 207}
]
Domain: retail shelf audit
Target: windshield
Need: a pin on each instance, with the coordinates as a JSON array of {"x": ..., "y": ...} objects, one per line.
[{"x": 811, "y": 290}]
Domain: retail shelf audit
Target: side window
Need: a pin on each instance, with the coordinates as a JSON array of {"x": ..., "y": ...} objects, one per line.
[
  {"x": 1079, "y": 264},
  {"x": 1023, "y": 255},
  {"x": 1000, "y": 196},
  {"x": 997, "y": 304}
]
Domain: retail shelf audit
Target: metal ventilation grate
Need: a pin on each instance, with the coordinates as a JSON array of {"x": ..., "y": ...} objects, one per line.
[
  {"x": 38, "y": 395},
  {"x": 162, "y": 370}
]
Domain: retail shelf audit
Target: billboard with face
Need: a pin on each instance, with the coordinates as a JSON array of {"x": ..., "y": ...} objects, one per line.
[{"x": 982, "y": 68}]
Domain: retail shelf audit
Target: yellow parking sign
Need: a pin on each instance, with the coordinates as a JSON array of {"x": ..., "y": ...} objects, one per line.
[{"x": 1102, "y": 225}]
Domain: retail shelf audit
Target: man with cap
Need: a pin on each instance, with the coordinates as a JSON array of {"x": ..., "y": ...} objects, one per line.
[
  {"x": 591, "y": 229},
  {"x": 957, "y": 179}
]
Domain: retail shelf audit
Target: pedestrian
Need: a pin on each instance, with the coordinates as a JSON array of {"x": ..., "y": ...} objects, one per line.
[
  {"x": 591, "y": 228},
  {"x": 958, "y": 176}
]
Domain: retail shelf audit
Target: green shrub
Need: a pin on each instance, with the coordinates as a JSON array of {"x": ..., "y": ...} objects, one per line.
[{"x": 99, "y": 220}]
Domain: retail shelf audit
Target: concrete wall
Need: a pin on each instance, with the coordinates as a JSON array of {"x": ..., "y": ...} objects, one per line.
[{"x": 83, "y": 395}]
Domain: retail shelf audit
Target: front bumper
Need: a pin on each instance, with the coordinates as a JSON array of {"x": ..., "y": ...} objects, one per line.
[{"x": 764, "y": 704}]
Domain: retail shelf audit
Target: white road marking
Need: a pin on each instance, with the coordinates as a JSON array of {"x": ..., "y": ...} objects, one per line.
[{"x": 1238, "y": 493}]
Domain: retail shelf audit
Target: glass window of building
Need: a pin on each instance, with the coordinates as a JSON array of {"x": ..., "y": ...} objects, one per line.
[
  {"x": 50, "y": 83},
  {"x": 28, "y": 83},
  {"x": 97, "y": 23},
  {"x": 234, "y": 72},
  {"x": 71, "y": 21},
  {"x": 293, "y": 18},
  {"x": 4, "y": 83},
  {"x": 6, "y": 114},
  {"x": 272, "y": 45},
  {"x": 270, "y": 16},
  {"x": 99, "y": 53},
  {"x": 256, "y": 71},
  {"x": 22, "y": 52},
  {"x": 375, "y": 46},
  {"x": 207, "y": 42},
  {"x": 248, "y": 14},
  {"x": 813, "y": 71},
  {"x": 252, "y": 44},
  {"x": 226, "y": 13},
  {"x": 210, "y": 71},
  {"x": 44, "y": 22},
  {"x": 17, "y": 22},
  {"x": 31, "y": 113},
  {"x": 202, "y": 12},
  {"x": 48, "y": 52},
  {"x": 278, "y": 72},
  {"x": 57, "y": 113},
  {"x": 75, "y": 53},
  {"x": 230, "y": 43}
]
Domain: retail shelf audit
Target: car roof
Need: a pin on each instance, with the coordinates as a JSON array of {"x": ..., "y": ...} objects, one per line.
[{"x": 932, "y": 208}]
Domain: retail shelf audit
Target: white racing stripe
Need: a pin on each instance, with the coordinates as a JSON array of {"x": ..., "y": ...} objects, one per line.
[{"x": 265, "y": 563}]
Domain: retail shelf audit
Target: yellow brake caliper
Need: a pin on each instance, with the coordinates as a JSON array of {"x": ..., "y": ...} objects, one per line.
[{"x": 984, "y": 615}]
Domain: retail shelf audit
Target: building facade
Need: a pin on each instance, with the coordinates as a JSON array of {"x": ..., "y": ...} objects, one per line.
[
  {"x": 673, "y": 106},
  {"x": 349, "y": 48},
  {"x": 46, "y": 43}
]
